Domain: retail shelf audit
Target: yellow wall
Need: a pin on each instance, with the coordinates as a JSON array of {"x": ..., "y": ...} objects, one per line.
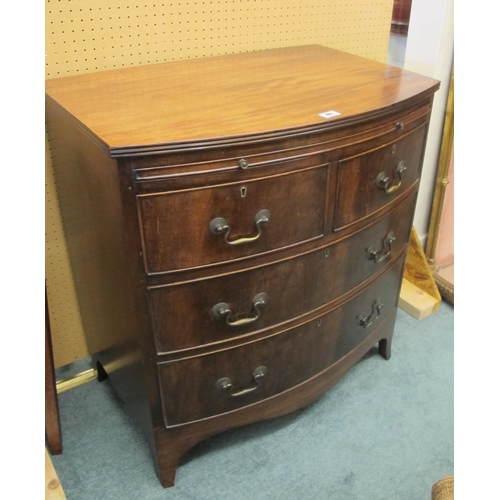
[{"x": 84, "y": 36}]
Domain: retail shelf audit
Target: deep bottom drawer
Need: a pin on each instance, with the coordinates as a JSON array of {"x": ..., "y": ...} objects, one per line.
[{"x": 212, "y": 384}]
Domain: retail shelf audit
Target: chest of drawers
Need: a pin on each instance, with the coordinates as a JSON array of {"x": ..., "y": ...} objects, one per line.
[{"x": 237, "y": 228}]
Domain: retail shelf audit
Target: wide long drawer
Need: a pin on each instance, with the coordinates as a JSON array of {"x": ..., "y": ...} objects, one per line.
[
  {"x": 221, "y": 308},
  {"x": 190, "y": 228},
  {"x": 211, "y": 384}
]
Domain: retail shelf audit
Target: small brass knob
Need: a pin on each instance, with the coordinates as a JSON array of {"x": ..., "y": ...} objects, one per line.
[
  {"x": 244, "y": 164},
  {"x": 400, "y": 125}
]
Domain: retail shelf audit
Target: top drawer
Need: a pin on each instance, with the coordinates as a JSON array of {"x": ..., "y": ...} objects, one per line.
[
  {"x": 369, "y": 181},
  {"x": 197, "y": 227}
]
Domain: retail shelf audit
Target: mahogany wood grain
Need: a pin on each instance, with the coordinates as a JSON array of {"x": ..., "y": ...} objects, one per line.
[
  {"x": 169, "y": 226},
  {"x": 350, "y": 139},
  {"x": 189, "y": 386},
  {"x": 176, "y": 441},
  {"x": 146, "y": 157},
  {"x": 201, "y": 99},
  {"x": 53, "y": 431},
  {"x": 107, "y": 276},
  {"x": 401, "y": 17},
  {"x": 182, "y": 313},
  {"x": 359, "y": 195}
]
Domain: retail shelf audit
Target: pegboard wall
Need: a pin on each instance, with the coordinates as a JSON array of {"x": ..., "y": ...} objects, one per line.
[
  {"x": 95, "y": 35},
  {"x": 65, "y": 322},
  {"x": 84, "y": 36}
]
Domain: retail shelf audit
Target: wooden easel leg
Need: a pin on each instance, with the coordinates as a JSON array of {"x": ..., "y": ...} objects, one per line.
[{"x": 419, "y": 294}]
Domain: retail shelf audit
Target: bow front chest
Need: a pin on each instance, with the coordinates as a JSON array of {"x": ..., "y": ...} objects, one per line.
[{"x": 237, "y": 228}]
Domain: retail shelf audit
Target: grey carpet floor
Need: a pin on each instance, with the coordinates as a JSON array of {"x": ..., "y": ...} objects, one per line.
[{"x": 384, "y": 432}]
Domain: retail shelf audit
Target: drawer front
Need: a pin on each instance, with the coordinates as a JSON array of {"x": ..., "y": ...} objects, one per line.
[
  {"x": 184, "y": 316},
  {"x": 211, "y": 384},
  {"x": 368, "y": 182},
  {"x": 198, "y": 227}
]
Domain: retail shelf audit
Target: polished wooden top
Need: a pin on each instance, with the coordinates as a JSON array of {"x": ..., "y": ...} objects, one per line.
[{"x": 220, "y": 97}]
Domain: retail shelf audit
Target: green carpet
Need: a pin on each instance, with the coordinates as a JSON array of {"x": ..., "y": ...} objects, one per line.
[{"x": 384, "y": 432}]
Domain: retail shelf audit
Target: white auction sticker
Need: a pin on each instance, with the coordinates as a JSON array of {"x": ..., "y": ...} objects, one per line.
[{"x": 329, "y": 114}]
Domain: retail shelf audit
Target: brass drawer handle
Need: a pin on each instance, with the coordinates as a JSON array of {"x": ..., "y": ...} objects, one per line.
[
  {"x": 384, "y": 252},
  {"x": 225, "y": 384},
  {"x": 219, "y": 225},
  {"x": 366, "y": 321},
  {"x": 383, "y": 182},
  {"x": 222, "y": 310}
]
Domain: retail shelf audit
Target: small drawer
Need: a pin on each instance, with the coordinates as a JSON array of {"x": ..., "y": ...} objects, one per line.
[
  {"x": 369, "y": 181},
  {"x": 221, "y": 308},
  {"x": 207, "y": 385},
  {"x": 193, "y": 228}
]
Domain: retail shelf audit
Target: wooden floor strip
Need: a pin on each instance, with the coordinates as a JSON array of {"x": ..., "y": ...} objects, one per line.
[
  {"x": 415, "y": 301},
  {"x": 419, "y": 295},
  {"x": 53, "y": 488}
]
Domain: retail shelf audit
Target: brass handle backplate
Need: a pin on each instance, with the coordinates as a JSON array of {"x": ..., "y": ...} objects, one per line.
[
  {"x": 382, "y": 254},
  {"x": 222, "y": 310},
  {"x": 366, "y": 321},
  {"x": 219, "y": 225},
  {"x": 225, "y": 383},
  {"x": 384, "y": 183}
]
